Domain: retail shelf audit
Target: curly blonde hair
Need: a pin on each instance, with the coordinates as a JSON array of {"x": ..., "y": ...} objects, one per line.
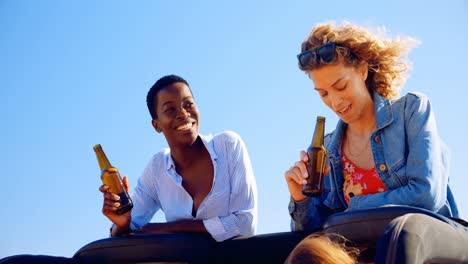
[
  {"x": 323, "y": 248},
  {"x": 387, "y": 61}
]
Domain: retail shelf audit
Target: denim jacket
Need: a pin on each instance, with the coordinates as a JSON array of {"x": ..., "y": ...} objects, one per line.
[{"x": 410, "y": 159}]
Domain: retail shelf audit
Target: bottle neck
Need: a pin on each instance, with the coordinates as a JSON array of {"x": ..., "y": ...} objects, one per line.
[
  {"x": 317, "y": 140},
  {"x": 104, "y": 163}
]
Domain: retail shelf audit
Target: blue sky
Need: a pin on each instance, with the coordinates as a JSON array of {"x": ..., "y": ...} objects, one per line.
[{"x": 76, "y": 73}]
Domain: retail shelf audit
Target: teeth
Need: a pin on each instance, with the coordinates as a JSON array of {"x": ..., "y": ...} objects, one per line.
[
  {"x": 184, "y": 127},
  {"x": 344, "y": 110}
]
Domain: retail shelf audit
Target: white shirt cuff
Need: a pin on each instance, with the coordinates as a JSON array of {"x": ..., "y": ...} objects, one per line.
[{"x": 215, "y": 227}]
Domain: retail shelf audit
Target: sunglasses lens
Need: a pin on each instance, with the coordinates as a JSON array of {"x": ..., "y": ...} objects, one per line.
[
  {"x": 327, "y": 52},
  {"x": 306, "y": 58}
]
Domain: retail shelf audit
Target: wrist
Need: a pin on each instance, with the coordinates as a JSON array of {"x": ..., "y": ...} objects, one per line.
[
  {"x": 299, "y": 197},
  {"x": 120, "y": 231}
]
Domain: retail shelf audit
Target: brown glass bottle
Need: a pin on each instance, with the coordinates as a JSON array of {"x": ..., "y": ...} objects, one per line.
[
  {"x": 110, "y": 176},
  {"x": 317, "y": 161}
]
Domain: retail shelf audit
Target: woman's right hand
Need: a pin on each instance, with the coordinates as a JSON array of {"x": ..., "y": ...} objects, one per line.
[
  {"x": 111, "y": 204},
  {"x": 297, "y": 176}
]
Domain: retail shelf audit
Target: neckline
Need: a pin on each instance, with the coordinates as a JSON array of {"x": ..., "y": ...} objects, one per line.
[{"x": 345, "y": 158}]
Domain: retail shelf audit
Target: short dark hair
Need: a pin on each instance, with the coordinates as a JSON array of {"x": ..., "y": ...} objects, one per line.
[{"x": 158, "y": 86}]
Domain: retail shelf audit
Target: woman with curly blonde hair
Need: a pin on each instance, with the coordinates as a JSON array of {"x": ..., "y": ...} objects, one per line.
[
  {"x": 386, "y": 59},
  {"x": 385, "y": 148}
]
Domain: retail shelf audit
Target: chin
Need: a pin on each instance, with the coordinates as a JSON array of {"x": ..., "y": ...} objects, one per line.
[{"x": 191, "y": 136}]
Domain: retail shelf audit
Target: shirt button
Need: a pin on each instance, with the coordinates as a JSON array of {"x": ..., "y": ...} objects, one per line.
[
  {"x": 382, "y": 167},
  {"x": 377, "y": 139},
  {"x": 236, "y": 231}
]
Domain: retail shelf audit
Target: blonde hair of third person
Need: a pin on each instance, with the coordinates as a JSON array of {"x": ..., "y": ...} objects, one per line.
[{"x": 322, "y": 249}]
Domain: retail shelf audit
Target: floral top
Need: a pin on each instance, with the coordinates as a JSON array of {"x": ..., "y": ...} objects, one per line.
[{"x": 358, "y": 182}]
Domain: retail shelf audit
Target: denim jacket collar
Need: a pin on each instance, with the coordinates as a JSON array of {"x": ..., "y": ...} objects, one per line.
[
  {"x": 383, "y": 111},
  {"x": 383, "y": 116}
]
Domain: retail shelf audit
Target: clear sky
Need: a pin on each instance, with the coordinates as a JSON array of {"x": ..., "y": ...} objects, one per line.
[{"x": 76, "y": 73}]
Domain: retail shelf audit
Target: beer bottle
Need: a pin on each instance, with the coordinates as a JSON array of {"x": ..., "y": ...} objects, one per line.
[
  {"x": 110, "y": 176},
  {"x": 317, "y": 161}
]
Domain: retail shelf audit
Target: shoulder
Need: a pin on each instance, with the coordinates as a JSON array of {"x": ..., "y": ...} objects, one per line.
[
  {"x": 412, "y": 112},
  {"x": 161, "y": 155},
  {"x": 411, "y": 105},
  {"x": 158, "y": 160},
  {"x": 228, "y": 136},
  {"x": 411, "y": 99},
  {"x": 416, "y": 95},
  {"x": 225, "y": 143},
  {"x": 225, "y": 137}
]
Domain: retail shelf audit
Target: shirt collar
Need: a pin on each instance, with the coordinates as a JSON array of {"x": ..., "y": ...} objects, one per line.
[{"x": 207, "y": 142}]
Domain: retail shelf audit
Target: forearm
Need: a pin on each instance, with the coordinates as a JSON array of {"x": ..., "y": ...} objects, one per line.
[
  {"x": 422, "y": 182},
  {"x": 240, "y": 223},
  {"x": 188, "y": 226},
  {"x": 416, "y": 195},
  {"x": 304, "y": 215}
]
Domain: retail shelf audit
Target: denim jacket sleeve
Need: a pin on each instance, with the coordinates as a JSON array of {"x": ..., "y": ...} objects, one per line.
[
  {"x": 414, "y": 164},
  {"x": 304, "y": 214},
  {"x": 311, "y": 213}
]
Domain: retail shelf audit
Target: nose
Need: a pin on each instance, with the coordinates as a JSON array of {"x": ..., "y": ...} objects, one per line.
[
  {"x": 182, "y": 113},
  {"x": 336, "y": 101}
]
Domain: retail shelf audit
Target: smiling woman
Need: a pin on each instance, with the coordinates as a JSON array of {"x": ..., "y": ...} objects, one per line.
[
  {"x": 203, "y": 184},
  {"x": 177, "y": 115}
]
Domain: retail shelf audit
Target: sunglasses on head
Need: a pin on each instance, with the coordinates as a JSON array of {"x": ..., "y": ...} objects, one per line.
[{"x": 324, "y": 54}]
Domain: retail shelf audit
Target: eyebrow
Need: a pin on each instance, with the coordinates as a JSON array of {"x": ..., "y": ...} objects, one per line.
[
  {"x": 183, "y": 99},
  {"x": 337, "y": 81}
]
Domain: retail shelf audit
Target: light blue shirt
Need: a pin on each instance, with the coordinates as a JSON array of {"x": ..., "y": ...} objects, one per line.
[
  {"x": 229, "y": 209},
  {"x": 410, "y": 158}
]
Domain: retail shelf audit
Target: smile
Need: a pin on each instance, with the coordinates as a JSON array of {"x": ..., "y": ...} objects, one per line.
[
  {"x": 344, "y": 110},
  {"x": 186, "y": 126}
]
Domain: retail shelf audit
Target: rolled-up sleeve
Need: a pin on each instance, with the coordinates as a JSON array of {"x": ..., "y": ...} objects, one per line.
[{"x": 242, "y": 217}]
